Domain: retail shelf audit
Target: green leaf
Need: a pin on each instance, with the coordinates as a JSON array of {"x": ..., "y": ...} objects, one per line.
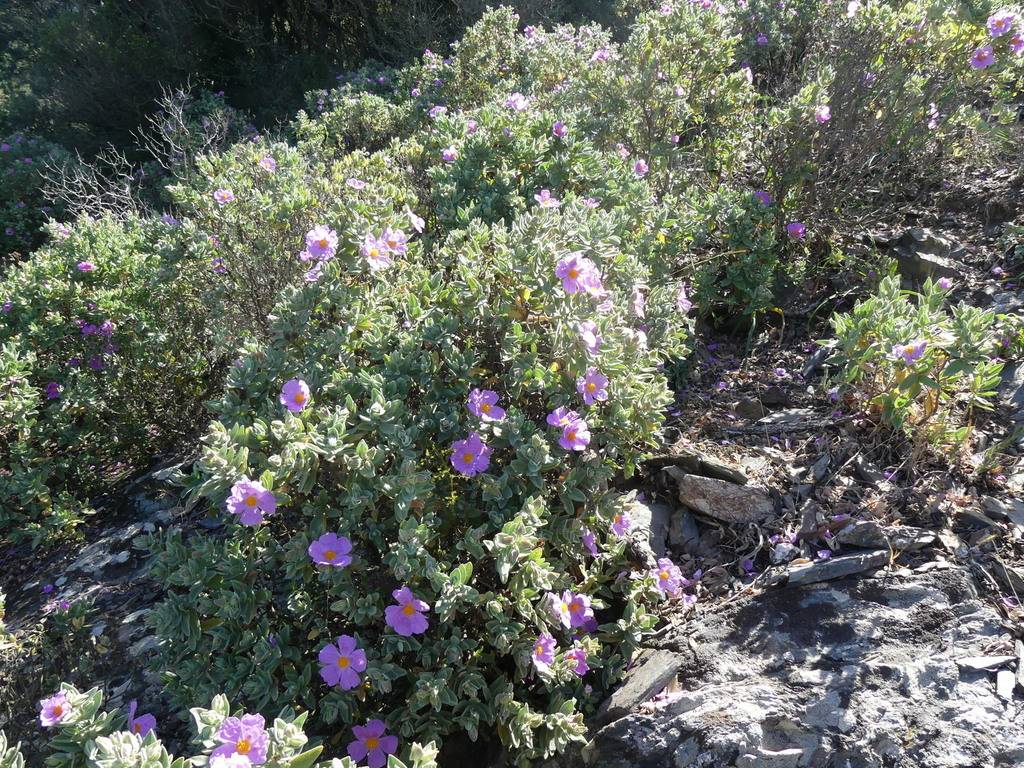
[
  {"x": 306, "y": 759},
  {"x": 461, "y": 575}
]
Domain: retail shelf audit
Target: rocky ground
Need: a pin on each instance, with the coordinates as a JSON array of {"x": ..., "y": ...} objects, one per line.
[{"x": 849, "y": 607}]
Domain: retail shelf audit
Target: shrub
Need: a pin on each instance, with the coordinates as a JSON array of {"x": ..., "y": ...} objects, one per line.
[
  {"x": 117, "y": 371},
  {"x": 390, "y": 360},
  {"x": 916, "y": 365},
  {"x": 23, "y": 209}
]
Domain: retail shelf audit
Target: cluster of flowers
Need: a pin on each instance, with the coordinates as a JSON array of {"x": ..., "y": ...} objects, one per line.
[
  {"x": 1000, "y": 24},
  {"x": 56, "y": 709}
]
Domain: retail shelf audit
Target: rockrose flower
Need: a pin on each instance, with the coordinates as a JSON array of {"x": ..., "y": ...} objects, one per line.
[
  {"x": 945, "y": 283},
  {"x": 578, "y": 609},
  {"x": 395, "y": 240},
  {"x": 54, "y": 709},
  {"x": 470, "y": 456},
  {"x": 640, "y": 167},
  {"x": 230, "y": 761},
  {"x": 244, "y": 736},
  {"x": 796, "y": 230},
  {"x": 545, "y": 200},
  {"x": 517, "y": 102},
  {"x": 558, "y": 606},
  {"x": 406, "y": 618},
  {"x": 1001, "y": 22},
  {"x": 341, "y": 662},
  {"x": 590, "y": 337},
  {"x": 375, "y": 252},
  {"x": 331, "y": 549},
  {"x": 637, "y": 302},
  {"x": 575, "y": 435},
  {"x": 142, "y": 724},
  {"x": 1017, "y": 43},
  {"x": 448, "y": 154},
  {"x": 822, "y": 113},
  {"x": 668, "y": 578},
  {"x": 372, "y": 743},
  {"x": 983, "y": 57},
  {"x": 294, "y": 395},
  {"x": 589, "y": 541},
  {"x": 414, "y": 221},
  {"x": 683, "y": 303},
  {"x": 621, "y": 523},
  {"x": 593, "y": 386},
  {"x": 577, "y": 273},
  {"x": 268, "y": 164},
  {"x": 562, "y": 416},
  {"x": 321, "y": 242},
  {"x": 578, "y": 655},
  {"x": 355, "y": 183},
  {"x": 223, "y": 196},
  {"x": 85, "y": 266},
  {"x": 543, "y": 653},
  {"x": 910, "y": 353},
  {"x": 762, "y": 39},
  {"x": 250, "y": 501},
  {"x": 53, "y": 390},
  {"x": 484, "y": 405},
  {"x": 559, "y": 130}
]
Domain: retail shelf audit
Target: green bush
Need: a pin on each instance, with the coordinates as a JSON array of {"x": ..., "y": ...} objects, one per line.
[{"x": 23, "y": 210}]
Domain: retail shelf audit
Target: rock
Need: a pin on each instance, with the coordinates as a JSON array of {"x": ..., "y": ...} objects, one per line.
[
  {"x": 836, "y": 568},
  {"x": 790, "y": 417},
  {"x": 775, "y": 396},
  {"x": 683, "y": 533},
  {"x": 921, "y": 254},
  {"x": 1010, "y": 509},
  {"x": 696, "y": 463},
  {"x": 653, "y": 670},
  {"x": 871, "y": 535},
  {"x": 749, "y": 408},
  {"x": 1005, "y": 681},
  {"x": 1011, "y": 386},
  {"x": 815, "y": 361},
  {"x": 652, "y": 521},
  {"x": 858, "y": 673},
  {"x": 783, "y": 552},
  {"x": 984, "y": 662},
  {"x": 730, "y": 503}
]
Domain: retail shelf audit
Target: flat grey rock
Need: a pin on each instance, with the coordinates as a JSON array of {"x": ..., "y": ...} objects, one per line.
[
  {"x": 871, "y": 535},
  {"x": 728, "y": 502}
]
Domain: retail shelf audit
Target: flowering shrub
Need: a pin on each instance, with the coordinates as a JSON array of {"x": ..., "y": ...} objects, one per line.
[
  {"x": 84, "y": 734},
  {"x": 22, "y": 207},
  {"x": 917, "y": 365},
  {"x": 418, "y": 464},
  {"x": 103, "y": 364}
]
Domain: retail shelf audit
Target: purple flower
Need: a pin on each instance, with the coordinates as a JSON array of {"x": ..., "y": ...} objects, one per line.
[
  {"x": 763, "y": 197},
  {"x": 824, "y": 554},
  {"x": 331, "y": 549},
  {"x": 321, "y": 242},
  {"x": 781, "y": 373},
  {"x": 998, "y": 271},
  {"x": 47, "y": 589},
  {"x": 223, "y": 196},
  {"x": 983, "y": 57},
  {"x": 637, "y": 302},
  {"x": 545, "y": 200},
  {"x": 591, "y": 202},
  {"x": 54, "y": 709},
  {"x": 470, "y": 456},
  {"x": 558, "y": 130},
  {"x": 796, "y": 230},
  {"x": 294, "y": 395},
  {"x": 53, "y": 390},
  {"x": 589, "y": 541},
  {"x": 640, "y": 167},
  {"x": 6, "y": 307},
  {"x": 578, "y": 607},
  {"x": 561, "y": 416},
  {"x": 244, "y": 736},
  {"x": 683, "y": 303},
  {"x": 762, "y": 39},
  {"x": 517, "y": 102},
  {"x": 448, "y": 154},
  {"x": 85, "y": 266},
  {"x": 558, "y": 606},
  {"x": 601, "y": 54},
  {"x": 250, "y": 501},
  {"x": 945, "y": 283},
  {"x": 406, "y": 618},
  {"x": 1017, "y": 43},
  {"x": 578, "y": 654},
  {"x": 575, "y": 435},
  {"x": 395, "y": 240},
  {"x": 577, "y": 273},
  {"x": 267, "y": 163},
  {"x": 484, "y": 405},
  {"x": 543, "y": 654},
  {"x": 1001, "y": 22},
  {"x": 142, "y": 724},
  {"x": 372, "y": 743},
  {"x": 414, "y": 221},
  {"x": 375, "y": 252},
  {"x": 95, "y": 363},
  {"x": 593, "y": 386},
  {"x": 471, "y": 127},
  {"x": 590, "y": 337},
  {"x": 621, "y": 523},
  {"x": 822, "y": 113},
  {"x": 668, "y": 578},
  {"x": 355, "y": 183},
  {"x": 167, "y": 219},
  {"x": 341, "y": 662},
  {"x": 911, "y": 352}
]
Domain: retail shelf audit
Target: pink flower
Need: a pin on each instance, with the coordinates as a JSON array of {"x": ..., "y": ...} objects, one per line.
[
  {"x": 223, "y": 196},
  {"x": 822, "y": 113},
  {"x": 484, "y": 405},
  {"x": 1001, "y": 22},
  {"x": 414, "y": 221},
  {"x": 668, "y": 578},
  {"x": 85, "y": 266},
  {"x": 395, "y": 240},
  {"x": 1017, "y": 43},
  {"x": 578, "y": 606},
  {"x": 579, "y": 655},
  {"x": 53, "y": 390},
  {"x": 910, "y": 353},
  {"x": 640, "y": 167},
  {"x": 244, "y": 736},
  {"x": 543, "y": 653},
  {"x": 448, "y": 154},
  {"x": 294, "y": 395},
  {"x": 762, "y": 39},
  {"x": 575, "y": 435},
  {"x": 355, "y": 183},
  {"x": 545, "y": 200},
  {"x": 590, "y": 337},
  {"x": 601, "y": 54},
  {"x": 683, "y": 303},
  {"x": 637, "y": 302},
  {"x": 577, "y": 273},
  {"x": 375, "y": 252},
  {"x": 372, "y": 743},
  {"x": 331, "y": 549},
  {"x": 945, "y": 283},
  {"x": 268, "y": 164},
  {"x": 470, "y": 456},
  {"x": 796, "y": 230},
  {"x": 142, "y": 724},
  {"x": 250, "y": 501},
  {"x": 54, "y": 709},
  {"x": 321, "y": 242},
  {"x": 406, "y": 618},
  {"x": 561, "y": 416},
  {"x": 593, "y": 386},
  {"x": 983, "y": 57},
  {"x": 589, "y": 542},
  {"x": 621, "y": 523},
  {"x": 558, "y": 606},
  {"x": 341, "y": 662},
  {"x": 517, "y": 102},
  {"x": 558, "y": 130}
]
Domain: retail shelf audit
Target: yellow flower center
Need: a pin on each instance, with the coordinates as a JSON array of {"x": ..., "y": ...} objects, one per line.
[
  {"x": 137, "y": 728},
  {"x": 467, "y": 458},
  {"x": 372, "y": 742},
  {"x": 486, "y": 407},
  {"x": 663, "y": 575},
  {"x": 250, "y": 501},
  {"x": 343, "y": 662},
  {"x": 243, "y": 747},
  {"x": 374, "y": 253},
  {"x": 322, "y": 243},
  {"x": 538, "y": 649},
  {"x": 909, "y": 349},
  {"x": 300, "y": 398},
  {"x": 330, "y": 554},
  {"x": 58, "y": 710},
  {"x": 591, "y": 386},
  {"x": 574, "y": 273},
  {"x": 570, "y": 434},
  {"x": 408, "y": 610},
  {"x": 392, "y": 242},
  {"x": 575, "y": 607}
]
